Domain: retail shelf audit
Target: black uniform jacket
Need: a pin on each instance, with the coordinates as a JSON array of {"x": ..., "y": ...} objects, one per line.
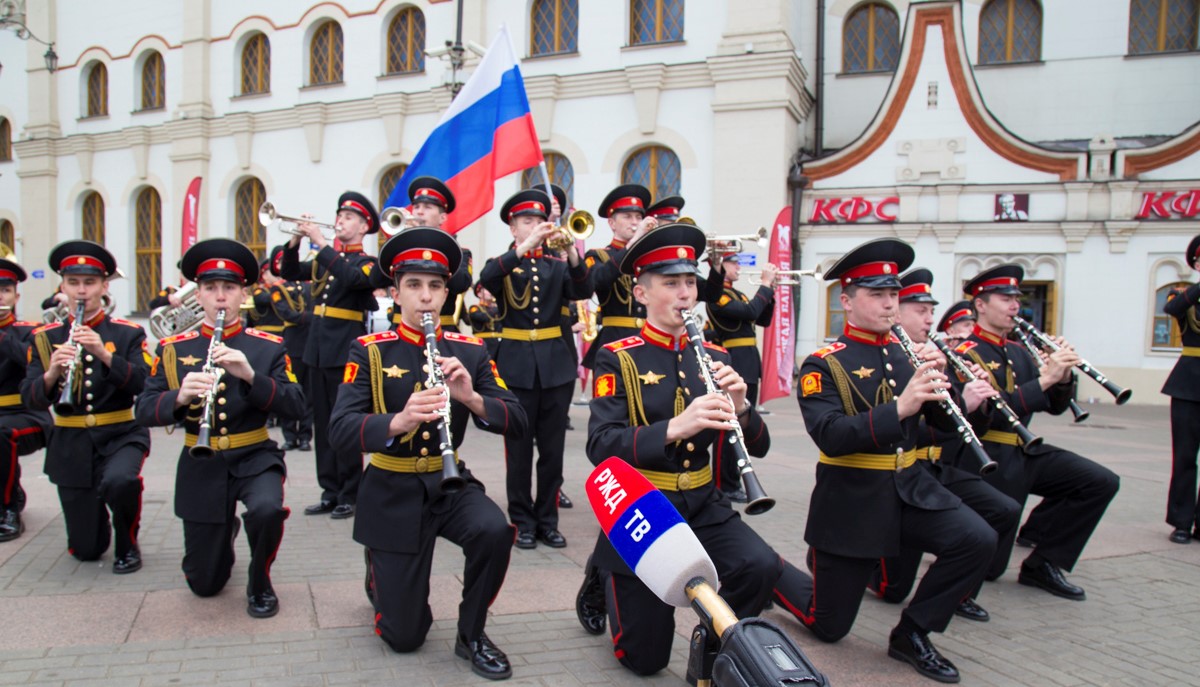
[
  {"x": 202, "y": 485},
  {"x": 847, "y": 396},
  {"x": 532, "y": 292},
  {"x": 101, "y": 390},
  {"x": 1184, "y": 380},
  {"x": 484, "y": 319},
  {"x": 641, "y": 383},
  {"x": 15, "y": 339},
  {"x": 291, "y": 302},
  {"x": 734, "y": 317},
  {"x": 262, "y": 316},
  {"x": 383, "y": 370},
  {"x": 342, "y": 280}
]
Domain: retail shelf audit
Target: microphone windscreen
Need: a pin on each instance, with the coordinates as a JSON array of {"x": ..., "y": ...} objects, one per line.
[{"x": 647, "y": 531}]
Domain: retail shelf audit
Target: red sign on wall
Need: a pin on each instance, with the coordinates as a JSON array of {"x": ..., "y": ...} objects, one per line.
[
  {"x": 851, "y": 210},
  {"x": 1170, "y": 204}
]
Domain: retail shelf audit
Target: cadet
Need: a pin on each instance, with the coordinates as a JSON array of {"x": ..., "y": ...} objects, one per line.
[
  {"x": 388, "y": 408},
  {"x": 957, "y": 323},
  {"x": 1183, "y": 386},
  {"x": 95, "y": 451},
  {"x": 293, "y": 304},
  {"x": 236, "y": 383}
]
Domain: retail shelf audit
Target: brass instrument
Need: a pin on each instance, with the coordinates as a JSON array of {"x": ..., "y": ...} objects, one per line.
[
  {"x": 6, "y": 253},
  {"x": 67, "y": 402},
  {"x": 587, "y": 317},
  {"x": 452, "y": 481},
  {"x": 59, "y": 312},
  {"x": 784, "y": 277},
  {"x": 580, "y": 225},
  {"x": 268, "y": 216},
  {"x": 1041, "y": 339},
  {"x": 204, "y": 434},
  {"x": 686, "y": 220},
  {"x": 726, "y": 245},
  {"x": 168, "y": 320},
  {"x": 757, "y": 500},
  {"x": 1079, "y": 413},
  {"x": 965, "y": 433},
  {"x": 395, "y": 219}
]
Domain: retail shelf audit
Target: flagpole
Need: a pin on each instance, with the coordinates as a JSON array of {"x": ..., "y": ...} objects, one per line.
[{"x": 546, "y": 181}]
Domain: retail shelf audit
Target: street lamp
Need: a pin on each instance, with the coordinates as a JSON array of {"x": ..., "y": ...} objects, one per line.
[{"x": 9, "y": 19}]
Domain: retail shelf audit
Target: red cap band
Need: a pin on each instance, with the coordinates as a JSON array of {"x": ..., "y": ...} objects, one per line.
[
  {"x": 958, "y": 315},
  {"x": 659, "y": 212},
  {"x": 627, "y": 201},
  {"x": 527, "y": 205},
  {"x": 5, "y": 274},
  {"x": 76, "y": 260},
  {"x": 425, "y": 254},
  {"x": 994, "y": 284},
  {"x": 357, "y": 207},
  {"x": 220, "y": 264},
  {"x": 424, "y": 194},
  {"x": 871, "y": 269},
  {"x": 915, "y": 289},
  {"x": 664, "y": 254}
]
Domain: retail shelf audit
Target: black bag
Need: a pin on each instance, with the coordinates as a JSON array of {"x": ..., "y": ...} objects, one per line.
[{"x": 758, "y": 654}]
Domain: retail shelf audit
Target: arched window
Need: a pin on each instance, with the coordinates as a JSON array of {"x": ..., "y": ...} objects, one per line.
[
  {"x": 8, "y": 235},
  {"x": 325, "y": 55},
  {"x": 388, "y": 182},
  {"x": 1163, "y": 25},
  {"x": 154, "y": 83},
  {"x": 5, "y": 140},
  {"x": 406, "y": 42},
  {"x": 256, "y": 65},
  {"x": 655, "y": 21},
  {"x": 97, "y": 90},
  {"x": 871, "y": 39},
  {"x": 1165, "y": 331},
  {"x": 149, "y": 247},
  {"x": 93, "y": 218},
  {"x": 1010, "y": 31},
  {"x": 654, "y": 167},
  {"x": 555, "y": 26},
  {"x": 246, "y": 227},
  {"x": 835, "y": 316},
  {"x": 561, "y": 173}
]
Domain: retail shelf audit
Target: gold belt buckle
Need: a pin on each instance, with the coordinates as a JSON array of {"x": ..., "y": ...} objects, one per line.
[
  {"x": 89, "y": 420},
  {"x": 899, "y": 459},
  {"x": 223, "y": 443},
  {"x": 533, "y": 334},
  {"x": 639, "y": 322},
  {"x": 422, "y": 465},
  {"x": 683, "y": 481}
]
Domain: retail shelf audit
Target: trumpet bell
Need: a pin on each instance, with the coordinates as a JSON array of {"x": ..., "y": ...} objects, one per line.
[
  {"x": 579, "y": 225},
  {"x": 395, "y": 219}
]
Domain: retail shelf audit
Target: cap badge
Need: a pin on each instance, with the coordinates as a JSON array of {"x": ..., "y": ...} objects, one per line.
[
  {"x": 426, "y": 255},
  {"x": 887, "y": 269},
  {"x": 220, "y": 264},
  {"x": 1012, "y": 281},
  {"x": 681, "y": 252},
  {"x": 537, "y": 206},
  {"x": 80, "y": 260}
]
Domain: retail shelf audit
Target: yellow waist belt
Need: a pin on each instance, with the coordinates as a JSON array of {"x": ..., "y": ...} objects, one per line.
[
  {"x": 419, "y": 465},
  {"x": 273, "y": 328},
  {"x": 531, "y": 334},
  {"x": 338, "y": 313},
  {"x": 228, "y": 441},
  {"x": 10, "y": 400},
  {"x": 872, "y": 461},
  {"x": 94, "y": 419},
  {"x": 932, "y": 453},
  {"x": 679, "y": 481},
  {"x": 1191, "y": 351},
  {"x": 487, "y": 335},
  {"x": 997, "y": 437},
  {"x": 622, "y": 321},
  {"x": 740, "y": 341},
  {"x": 448, "y": 321}
]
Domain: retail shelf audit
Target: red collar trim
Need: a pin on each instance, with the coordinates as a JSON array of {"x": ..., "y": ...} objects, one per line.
[
  {"x": 7, "y": 319},
  {"x": 616, "y": 245},
  {"x": 414, "y": 336},
  {"x": 994, "y": 339},
  {"x": 863, "y": 336},
  {"x": 96, "y": 319},
  {"x": 662, "y": 339},
  {"x": 230, "y": 330},
  {"x": 534, "y": 254},
  {"x": 352, "y": 248}
]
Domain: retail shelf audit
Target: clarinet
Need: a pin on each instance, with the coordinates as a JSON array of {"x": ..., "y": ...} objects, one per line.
[
  {"x": 757, "y": 500},
  {"x": 1079, "y": 413},
  {"x": 65, "y": 405},
  {"x": 962, "y": 427},
  {"x": 1120, "y": 394},
  {"x": 202, "y": 448},
  {"x": 1028, "y": 439},
  {"x": 452, "y": 481}
]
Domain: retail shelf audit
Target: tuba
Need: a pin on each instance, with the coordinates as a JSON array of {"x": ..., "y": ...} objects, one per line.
[{"x": 168, "y": 320}]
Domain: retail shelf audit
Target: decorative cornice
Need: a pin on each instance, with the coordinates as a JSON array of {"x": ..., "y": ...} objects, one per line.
[{"x": 1131, "y": 163}]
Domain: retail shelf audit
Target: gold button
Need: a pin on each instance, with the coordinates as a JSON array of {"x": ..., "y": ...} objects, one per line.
[
  {"x": 891, "y": 382},
  {"x": 422, "y": 465},
  {"x": 681, "y": 375},
  {"x": 690, "y": 447},
  {"x": 87, "y": 371},
  {"x": 687, "y": 464},
  {"x": 535, "y": 309},
  {"x": 535, "y": 277},
  {"x": 331, "y": 277},
  {"x": 888, "y": 367},
  {"x": 87, "y": 382},
  {"x": 223, "y": 443},
  {"x": 88, "y": 357},
  {"x": 221, "y": 386},
  {"x": 224, "y": 431},
  {"x": 424, "y": 435},
  {"x": 220, "y": 401},
  {"x": 424, "y": 451},
  {"x": 221, "y": 416},
  {"x": 687, "y": 391},
  {"x": 535, "y": 267},
  {"x": 89, "y": 397},
  {"x": 90, "y": 408},
  {"x": 89, "y": 420},
  {"x": 535, "y": 299},
  {"x": 536, "y": 287}
]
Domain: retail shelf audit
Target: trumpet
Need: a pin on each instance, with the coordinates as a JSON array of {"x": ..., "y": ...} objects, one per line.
[
  {"x": 268, "y": 216},
  {"x": 757, "y": 500},
  {"x": 452, "y": 481},
  {"x": 1079, "y": 413},
  {"x": 1120, "y": 394},
  {"x": 785, "y": 277},
  {"x": 580, "y": 225},
  {"x": 396, "y": 218},
  {"x": 725, "y": 245},
  {"x": 587, "y": 317},
  {"x": 203, "y": 435},
  {"x": 66, "y": 403}
]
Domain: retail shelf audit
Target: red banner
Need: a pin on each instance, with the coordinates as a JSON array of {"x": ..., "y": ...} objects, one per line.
[
  {"x": 191, "y": 211},
  {"x": 779, "y": 341}
]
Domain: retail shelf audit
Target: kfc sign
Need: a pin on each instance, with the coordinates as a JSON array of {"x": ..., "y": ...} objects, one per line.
[
  {"x": 1170, "y": 204},
  {"x": 834, "y": 210}
]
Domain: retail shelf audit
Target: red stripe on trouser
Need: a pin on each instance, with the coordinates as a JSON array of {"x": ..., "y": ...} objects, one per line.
[
  {"x": 617, "y": 651},
  {"x": 10, "y": 479},
  {"x": 137, "y": 514},
  {"x": 883, "y": 578}
]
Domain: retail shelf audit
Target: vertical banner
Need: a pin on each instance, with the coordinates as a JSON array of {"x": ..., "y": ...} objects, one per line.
[
  {"x": 779, "y": 340},
  {"x": 191, "y": 211}
]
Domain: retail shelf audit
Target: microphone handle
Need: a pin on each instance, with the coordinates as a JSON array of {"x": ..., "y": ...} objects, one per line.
[{"x": 712, "y": 609}]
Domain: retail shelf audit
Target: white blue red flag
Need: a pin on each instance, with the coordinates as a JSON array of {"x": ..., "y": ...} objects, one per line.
[{"x": 487, "y": 133}]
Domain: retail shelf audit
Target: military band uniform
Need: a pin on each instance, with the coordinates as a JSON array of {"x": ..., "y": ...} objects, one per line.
[
  {"x": 262, "y": 316},
  {"x": 94, "y": 455},
  {"x": 1183, "y": 386},
  {"x": 484, "y": 321},
  {"x": 293, "y": 304},
  {"x": 342, "y": 291},
  {"x": 163, "y": 298}
]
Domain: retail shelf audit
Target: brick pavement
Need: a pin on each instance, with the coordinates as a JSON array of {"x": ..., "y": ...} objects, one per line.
[{"x": 76, "y": 623}]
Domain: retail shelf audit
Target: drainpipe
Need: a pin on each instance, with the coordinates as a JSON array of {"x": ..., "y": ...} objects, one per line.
[{"x": 819, "y": 117}]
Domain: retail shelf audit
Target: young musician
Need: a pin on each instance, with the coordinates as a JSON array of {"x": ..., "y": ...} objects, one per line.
[
  {"x": 387, "y": 408},
  {"x": 22, "y": 430},
  {"x": 1183, "y": 386},
  {"x": 95, "y": 451},
  {"x": 230, "y": 386}
]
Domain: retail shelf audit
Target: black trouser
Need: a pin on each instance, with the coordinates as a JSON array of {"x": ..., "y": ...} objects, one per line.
[
  {"x": 547, "y": 413},
  {"x": 18, "y": 437},
  {"x": 401, "y": 580},
  {"x": 208, "y": 547},
  {"x": 339, "y": 469},
  {"x": 643, "y": 627},
  {"x": 894, "y": 578},
  {"x": 300, "y": 430},
  {"x": 827, "y": 603},
  {"x": 1182, "y": 510},
  {"x": 729, "y": 477},
  {"x": 1075, "y": 493},
  {"x": 117, "y": 487}
]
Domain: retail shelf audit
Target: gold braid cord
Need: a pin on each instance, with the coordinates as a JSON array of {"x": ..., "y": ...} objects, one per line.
[
  {"x": 375, "y": 365},
  {"x": 44, "y": 350},
  {"x": 633, "y": 389},
  {"x": 1008, "y": 373},
  {"x": 1193, "y": 318},
  {"x": 318, "y": 282},
  {"x": 845, "y": 387},
  {"x": 169, "y": 358},
  {"x": 519, "y": 302}
]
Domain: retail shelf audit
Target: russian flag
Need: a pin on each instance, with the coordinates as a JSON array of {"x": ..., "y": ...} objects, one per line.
[{"x": 487, "y": 133}]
